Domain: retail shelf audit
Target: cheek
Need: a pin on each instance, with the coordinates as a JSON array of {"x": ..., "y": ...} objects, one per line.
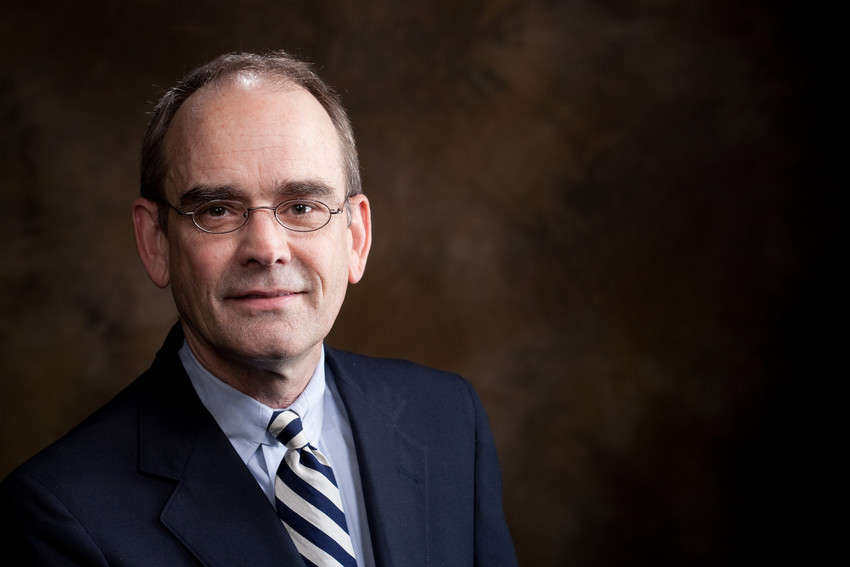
[
  {"x": 326, "y": 254},
  {"x": 338, "y": 263},
  {"x": 197, "y": 263}
]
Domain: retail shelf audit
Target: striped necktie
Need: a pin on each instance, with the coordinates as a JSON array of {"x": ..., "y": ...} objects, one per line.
[{"x": 307, "y": 497}]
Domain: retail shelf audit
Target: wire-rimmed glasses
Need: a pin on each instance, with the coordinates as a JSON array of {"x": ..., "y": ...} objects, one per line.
[{"x": 223, "y": 216}]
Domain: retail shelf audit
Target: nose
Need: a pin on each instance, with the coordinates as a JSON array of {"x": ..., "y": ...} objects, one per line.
[{"x": 263, "y": 240}]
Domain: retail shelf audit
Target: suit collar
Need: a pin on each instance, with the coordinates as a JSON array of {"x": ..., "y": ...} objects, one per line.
[
  {"x": 216, "y": 509},
  {"x": 393, "y": 466}
]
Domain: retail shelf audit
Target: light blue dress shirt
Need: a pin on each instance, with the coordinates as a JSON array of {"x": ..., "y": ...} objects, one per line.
[{"x": 245, "y": 421}]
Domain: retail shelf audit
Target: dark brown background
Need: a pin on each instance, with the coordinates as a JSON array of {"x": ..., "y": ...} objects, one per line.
[{"x": 613, "y": 217}]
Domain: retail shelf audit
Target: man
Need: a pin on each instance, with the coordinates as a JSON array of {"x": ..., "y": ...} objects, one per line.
[{"x": 252, "y": 212}]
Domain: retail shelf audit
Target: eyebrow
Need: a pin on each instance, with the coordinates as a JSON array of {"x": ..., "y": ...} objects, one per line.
[
  {"x": 205, "y": 193},
  {"x": 303, "y": 189},
  {"x": 313, "y": 189}
]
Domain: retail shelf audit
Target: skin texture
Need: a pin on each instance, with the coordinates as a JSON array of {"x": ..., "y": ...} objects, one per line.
[{"x": 257, "y": 303}]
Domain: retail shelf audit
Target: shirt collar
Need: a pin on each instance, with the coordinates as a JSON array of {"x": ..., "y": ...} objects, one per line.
[{"x": 245, "y": 420}]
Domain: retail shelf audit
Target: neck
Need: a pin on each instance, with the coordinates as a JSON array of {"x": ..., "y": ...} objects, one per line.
[{"x": 274, "y": 383}]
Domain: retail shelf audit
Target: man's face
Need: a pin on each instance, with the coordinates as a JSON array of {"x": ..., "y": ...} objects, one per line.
[{"x": 262, "y": 294}]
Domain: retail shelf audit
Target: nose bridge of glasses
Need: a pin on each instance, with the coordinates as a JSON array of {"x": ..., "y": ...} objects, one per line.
[{"x": 272, "y": 210}]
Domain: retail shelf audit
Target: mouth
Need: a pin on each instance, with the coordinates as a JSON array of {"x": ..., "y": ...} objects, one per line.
[
  {"x": 265, "y": 299},
  {"x": 265, "y": 294}
]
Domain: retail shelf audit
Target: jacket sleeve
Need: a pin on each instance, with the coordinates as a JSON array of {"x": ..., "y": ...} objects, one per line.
[
  {"x": 493, "y": 544},
  {"x": 37, "y": 529}
]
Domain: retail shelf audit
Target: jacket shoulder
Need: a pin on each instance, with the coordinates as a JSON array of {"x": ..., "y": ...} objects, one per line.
[
  {"x": 407, "y": 391},
  {"x": 106, "y": 436},
  {"x": 393, "y": 373}
]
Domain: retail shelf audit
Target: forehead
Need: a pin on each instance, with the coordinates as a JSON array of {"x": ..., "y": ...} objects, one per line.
[{"x": 251, "y": 136}]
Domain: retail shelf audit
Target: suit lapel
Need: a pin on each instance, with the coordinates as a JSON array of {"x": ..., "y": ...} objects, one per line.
[
  {"x": 393, "y": 469},
  {"x": 216, "y": 509},
  {"x": 219, "y": 513}
]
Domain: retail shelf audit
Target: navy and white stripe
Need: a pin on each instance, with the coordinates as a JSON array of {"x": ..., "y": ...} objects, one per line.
[{"x": 307, "y": 497}]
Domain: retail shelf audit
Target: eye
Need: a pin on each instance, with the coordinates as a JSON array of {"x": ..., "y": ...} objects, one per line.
[
  {"x": 299, "y": 208},
  {"x": 220, "y": 216},
  {"x": 219, "y": 210},
  {"x": 303, "y": 215}
]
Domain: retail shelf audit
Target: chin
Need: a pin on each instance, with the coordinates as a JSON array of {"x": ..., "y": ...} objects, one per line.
[{"x": 269, "y": 345}]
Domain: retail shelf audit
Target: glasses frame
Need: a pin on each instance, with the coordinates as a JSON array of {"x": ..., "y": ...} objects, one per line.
[{"x": 248, "y": 210}]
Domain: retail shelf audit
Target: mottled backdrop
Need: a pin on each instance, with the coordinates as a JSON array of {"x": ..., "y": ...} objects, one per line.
[{"x": 614, "y": 217}]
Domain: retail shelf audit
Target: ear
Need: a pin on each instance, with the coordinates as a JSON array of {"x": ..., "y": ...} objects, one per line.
[
  {"x": 151, "y": 241},
  {"x": 361, "y": 236}
]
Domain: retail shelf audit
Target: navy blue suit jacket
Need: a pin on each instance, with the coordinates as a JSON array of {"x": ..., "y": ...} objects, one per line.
[{"x": 150, "y": 479}]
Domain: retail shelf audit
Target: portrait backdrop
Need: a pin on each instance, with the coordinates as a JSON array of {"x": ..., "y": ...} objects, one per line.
[{"x": 612, "y": 217}]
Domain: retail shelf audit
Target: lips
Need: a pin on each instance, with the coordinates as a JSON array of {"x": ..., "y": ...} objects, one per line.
[
  {"x": 264, "y": 294},
  {"x": 264, "y": 299}
]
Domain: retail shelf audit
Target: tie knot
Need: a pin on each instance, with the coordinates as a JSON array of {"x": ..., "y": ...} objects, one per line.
[{"x": 286, "y": 426}]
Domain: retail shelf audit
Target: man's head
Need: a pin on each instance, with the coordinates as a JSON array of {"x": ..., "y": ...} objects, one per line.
[{"x": 262, "y": 295}]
